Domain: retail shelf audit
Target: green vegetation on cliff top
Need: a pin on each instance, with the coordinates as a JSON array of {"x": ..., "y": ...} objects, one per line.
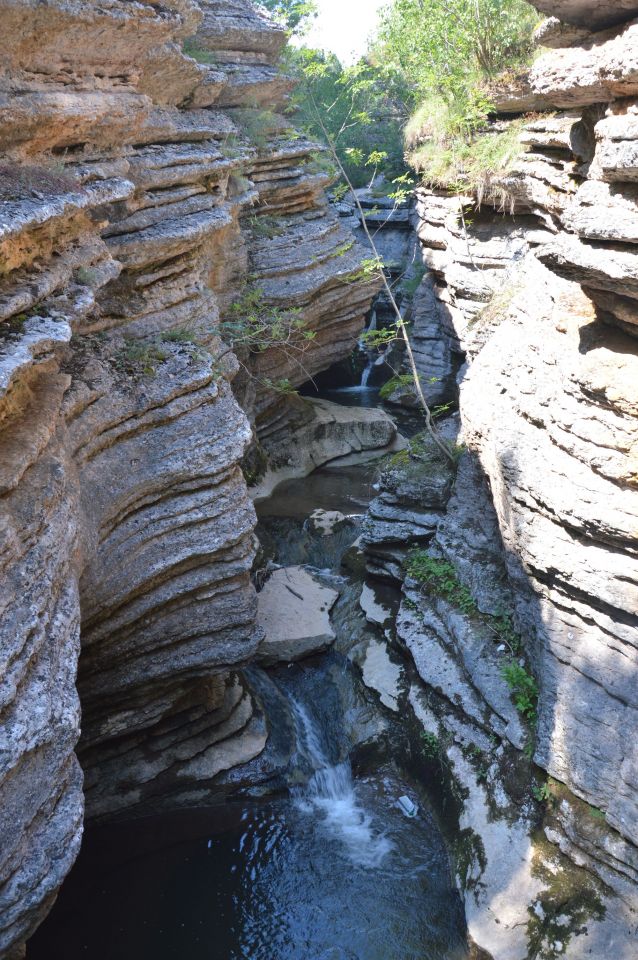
[{"x": 420, "y": 94}]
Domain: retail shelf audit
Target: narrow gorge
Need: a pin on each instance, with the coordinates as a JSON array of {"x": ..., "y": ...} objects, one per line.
[{"x": 309, "y": 688}]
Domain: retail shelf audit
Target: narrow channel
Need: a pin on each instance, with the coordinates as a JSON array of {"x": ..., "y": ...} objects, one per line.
[{"x": 325, "y": 864}]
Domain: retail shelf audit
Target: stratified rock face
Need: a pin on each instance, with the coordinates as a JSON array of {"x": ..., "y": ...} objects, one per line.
[
  {"x": 132, "y": 178},
  {"x": 550, "y": 402},
  {"x": 541, "y": 288}
]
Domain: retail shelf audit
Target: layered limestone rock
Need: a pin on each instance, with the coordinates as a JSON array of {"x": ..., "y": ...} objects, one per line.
[
  {"x": 538, "y": 285},
  {"x": 135, "y": 168}
]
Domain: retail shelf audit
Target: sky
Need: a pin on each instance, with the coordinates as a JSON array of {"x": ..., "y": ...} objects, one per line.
[{"x": 343, "y": 26}]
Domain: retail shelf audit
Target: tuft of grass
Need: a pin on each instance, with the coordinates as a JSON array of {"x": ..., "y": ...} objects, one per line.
[
  {"x": 322, "y": 163},
  {"x": 259, "y": 126},
  {"x": 139, "y": 358},
  {"x": 266, "y": 227},
  {"x": 18, "y": 181},
  {"x": 238, "y": 184},
  {"x": 200, "y": 54},
  {"x": 180, "y": 335},
  {"x": 85, "y": 275},
  {"x": 470, "y": 164}
]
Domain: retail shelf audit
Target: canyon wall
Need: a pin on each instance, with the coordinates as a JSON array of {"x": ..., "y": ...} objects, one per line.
[
  {"x": 534, "y": 278},
  {"x": 144, "y": 190}
]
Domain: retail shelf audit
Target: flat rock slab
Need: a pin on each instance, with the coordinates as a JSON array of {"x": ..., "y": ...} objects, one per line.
[
  {"x": 382, "y": 674},
  {"x": 294, "y": 611}
]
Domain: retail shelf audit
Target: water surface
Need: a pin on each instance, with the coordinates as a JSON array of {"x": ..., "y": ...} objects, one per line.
[{"x": 284, "y": 880}]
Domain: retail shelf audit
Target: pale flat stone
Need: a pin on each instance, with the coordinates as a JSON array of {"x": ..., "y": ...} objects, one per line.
[
  {"x": 326, "y": 522},
  {"x": 294, "y": 613},
  {"x": 374, "y": 610},
  {"x": 381, "y": 674}
]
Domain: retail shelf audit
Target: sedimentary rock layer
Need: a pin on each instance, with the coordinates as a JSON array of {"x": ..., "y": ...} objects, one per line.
[
  {"x": 540, "y": 287},
  {"x": 137, "y": 165}
]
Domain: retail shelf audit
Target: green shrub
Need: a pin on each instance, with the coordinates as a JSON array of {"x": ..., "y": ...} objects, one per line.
[
  {"x": 368, "y": 270},
  {"x": 449, "y": 49},
  {"x": 401, "y": 381},
  {"x": 440, "y": 579},
  {"x": 256, "y": 325},
  {"x": 431, "y": 745},
  {"x": 541, "y": 793},
  {"x": 524, "y": 690}
]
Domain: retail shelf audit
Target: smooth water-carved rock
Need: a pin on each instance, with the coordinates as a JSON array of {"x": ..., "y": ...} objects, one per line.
[{"x": 318, "y": 432}]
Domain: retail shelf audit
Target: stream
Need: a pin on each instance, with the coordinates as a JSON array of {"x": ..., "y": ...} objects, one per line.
[{"x": 324, "y": 867}]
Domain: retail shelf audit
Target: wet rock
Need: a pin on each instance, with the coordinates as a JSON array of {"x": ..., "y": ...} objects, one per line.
[
  {"x": 294, "y": 613},
  {"x": 413, "y": 492},
  {"x": 548, "y": 411},
  {"x": 372, "y": 604},
  {"x": 458, "y": 657},
  {"x": 380, "y": 673},
  {"x": 325, "y": 523}
]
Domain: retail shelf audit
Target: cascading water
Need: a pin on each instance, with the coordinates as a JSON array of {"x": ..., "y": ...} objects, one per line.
[
  {"x": 331, "y": 792},
  {"x": 363, "y": 346},
  {"x": 332, "y": 870},
  {"x": 374, "y": 355}
]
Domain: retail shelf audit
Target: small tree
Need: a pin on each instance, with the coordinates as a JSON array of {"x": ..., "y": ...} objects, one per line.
[
  {"x": 295, "y": 15},
  {"x": 254, "y": 326},
  {"x": 449, "y": 49}
]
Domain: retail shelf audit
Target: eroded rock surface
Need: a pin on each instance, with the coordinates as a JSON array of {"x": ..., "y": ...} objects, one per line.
[
  {"x": 141, "y": 183},
  {"x": 540, "y": 291}
]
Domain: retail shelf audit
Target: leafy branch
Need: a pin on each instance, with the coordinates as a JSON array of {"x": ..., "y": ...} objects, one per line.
[{"x": 400, "y": 322}]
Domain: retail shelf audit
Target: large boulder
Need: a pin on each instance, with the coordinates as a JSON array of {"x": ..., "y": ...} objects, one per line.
[{"x": 294, "y": 612}]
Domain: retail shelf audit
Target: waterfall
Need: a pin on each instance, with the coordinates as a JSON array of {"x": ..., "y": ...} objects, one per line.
[
  {"x": 366, "y": 373},
  {"x": 371, "y": 355},
  {"x": 331, "y": 792}
]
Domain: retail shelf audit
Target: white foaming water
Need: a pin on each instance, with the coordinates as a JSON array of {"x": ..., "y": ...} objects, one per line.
[{"x": 331, "y": 791}]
